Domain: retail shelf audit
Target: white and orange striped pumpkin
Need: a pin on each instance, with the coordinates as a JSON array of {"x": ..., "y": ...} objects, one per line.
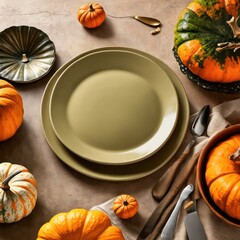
[{"x": 18, "y": 193}]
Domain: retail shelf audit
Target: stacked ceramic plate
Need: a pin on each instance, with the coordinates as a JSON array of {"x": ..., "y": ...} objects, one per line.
[{"x": 114, "y": 113}]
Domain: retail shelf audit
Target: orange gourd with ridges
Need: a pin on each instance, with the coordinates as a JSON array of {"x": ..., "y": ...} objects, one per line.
[
  {"x": 125, "y": 206},
  {"x": 91, "y": 15},
  {"x": 11, "y": 110},
  {"x": 80, "y": 224}
]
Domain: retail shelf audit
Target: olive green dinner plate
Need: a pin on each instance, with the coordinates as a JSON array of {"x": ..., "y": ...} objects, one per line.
[
  {"x": 113, "y": 107},
  {"x": 121, "y": 172}
]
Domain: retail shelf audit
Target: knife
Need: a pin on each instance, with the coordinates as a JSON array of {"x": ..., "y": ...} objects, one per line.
[
  {"x": 168, "y": 230},
  {"x": 193, "y": 225},
  {"x": 152, "y": 221},
  {"x": 162, "y": 206},
  {"x": 192, "y": 222}
]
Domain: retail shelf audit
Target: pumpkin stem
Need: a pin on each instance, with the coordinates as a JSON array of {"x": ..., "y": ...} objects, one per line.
[
  {"x": 236, "y": 34},
  {"x": 228, "y": 45},
  {"x": 4, "y": 184},
  {"x": 234, "y": 26},
  {"x": 24, "y": 58},
  {"x": 235, "y": 156},
  {"x": 125, "y": 203},
  {"x": 91, "y": 9}
]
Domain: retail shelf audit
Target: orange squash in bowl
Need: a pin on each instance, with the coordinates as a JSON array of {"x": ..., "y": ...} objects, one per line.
[{"x": 218, "y": 174}]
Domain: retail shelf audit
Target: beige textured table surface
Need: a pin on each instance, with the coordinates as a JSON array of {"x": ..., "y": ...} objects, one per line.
[{"x": 59, "y": 187}]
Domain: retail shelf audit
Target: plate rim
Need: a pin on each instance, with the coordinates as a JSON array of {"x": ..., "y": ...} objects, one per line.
[
  {"x": 92, "y": 170},
  {"x": 129, "y": 156}
]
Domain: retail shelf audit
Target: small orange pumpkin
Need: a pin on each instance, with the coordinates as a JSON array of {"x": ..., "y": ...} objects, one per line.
[
  {"x": 80, "y": 224},
  {"x": 11, "y": 110},
  {"x": 91, "y": 15},
  {"x": 223, "y": 175},
  {"x": 125, "y": 206}
]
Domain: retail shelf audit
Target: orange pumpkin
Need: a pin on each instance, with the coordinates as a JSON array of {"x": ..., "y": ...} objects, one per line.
[
  {"x": 207, "y": 39},
  {"x": 125, "y": 206},
  {"x": 80, "y": 224},
  {"x": 91, "y": 15},
  {"x": 18, "y": 194},
  {"x": 223, "y": 175},
  {"x": 11, "y": 110}
]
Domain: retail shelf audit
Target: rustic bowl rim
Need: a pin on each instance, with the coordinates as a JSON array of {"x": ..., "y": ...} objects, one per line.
[
  {"x": 231, "y": 87},
  {"x": 201, "y": 167}
]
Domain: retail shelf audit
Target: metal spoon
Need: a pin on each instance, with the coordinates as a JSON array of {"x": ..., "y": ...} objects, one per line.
[
  {"x": 153, "y": 22},
  {"x": 148, "y": 21},
  {"x": 197, "y": 129},
  {"x": 168, "y": 230}
]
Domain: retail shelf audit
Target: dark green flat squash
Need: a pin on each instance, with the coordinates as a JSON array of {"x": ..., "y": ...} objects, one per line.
[{"x": 207, "y": 41}]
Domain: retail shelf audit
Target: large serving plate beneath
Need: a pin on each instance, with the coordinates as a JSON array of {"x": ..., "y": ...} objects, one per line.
[
  {"x": 123, "y": 172},
  {"x": 26, "y": 54},
  {"x": 114, "y": 107}
]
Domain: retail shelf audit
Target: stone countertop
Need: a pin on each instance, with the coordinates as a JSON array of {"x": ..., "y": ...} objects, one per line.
[{"x": 60, "y": 188}]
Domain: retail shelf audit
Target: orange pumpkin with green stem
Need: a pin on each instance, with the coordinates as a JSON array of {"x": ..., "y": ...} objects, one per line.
[{"x": 91, "y": 15}]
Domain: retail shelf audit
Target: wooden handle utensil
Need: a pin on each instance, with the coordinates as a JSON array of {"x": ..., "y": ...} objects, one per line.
[{"x": 197, "y": 128}]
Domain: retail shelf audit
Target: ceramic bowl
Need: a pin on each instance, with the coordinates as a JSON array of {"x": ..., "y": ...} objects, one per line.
[
  {"x": 26, "y": 54},
  {"x": 201, "y": 169}
]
